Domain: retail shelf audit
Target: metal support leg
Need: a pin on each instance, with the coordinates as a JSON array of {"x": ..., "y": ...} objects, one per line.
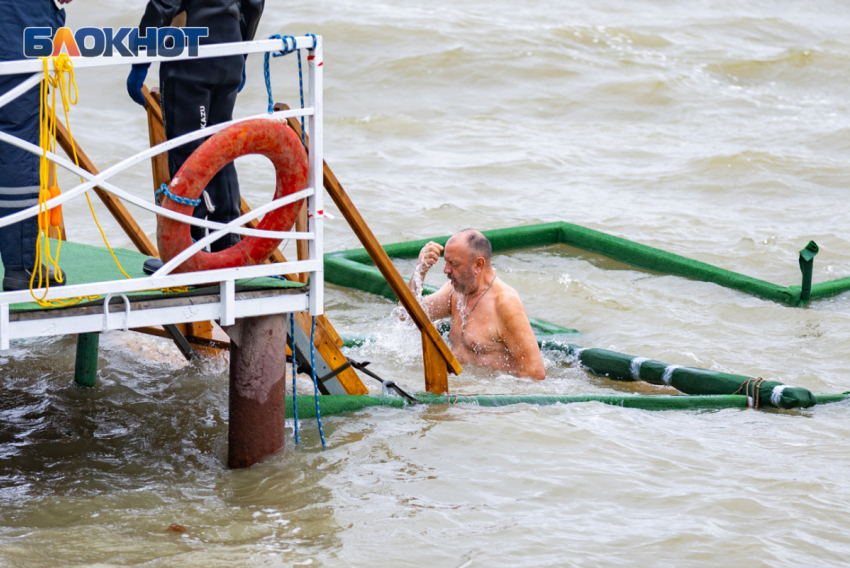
[
  {"x": 257, "y": 381},
  {"x": 85, "y": 369}
]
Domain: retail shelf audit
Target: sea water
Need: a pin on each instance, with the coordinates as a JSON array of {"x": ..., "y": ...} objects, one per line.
[{"x": 715, "y": 130}]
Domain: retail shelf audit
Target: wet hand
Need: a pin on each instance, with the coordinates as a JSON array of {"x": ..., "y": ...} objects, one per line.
[{"x": 430, "y": 254}]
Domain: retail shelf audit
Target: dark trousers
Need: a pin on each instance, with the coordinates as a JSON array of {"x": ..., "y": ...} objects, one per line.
[
  {"x": 19, "y": 176},
  {"x": 197, "y": 94}
]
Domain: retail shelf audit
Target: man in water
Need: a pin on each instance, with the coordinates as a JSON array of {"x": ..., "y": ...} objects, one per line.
[{"x": 489, "y": 323}]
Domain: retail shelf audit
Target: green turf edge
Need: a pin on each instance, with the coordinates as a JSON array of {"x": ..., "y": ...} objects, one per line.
[
  {"x": 330, "y": 405},
  {"x": 89, "y": 264}
]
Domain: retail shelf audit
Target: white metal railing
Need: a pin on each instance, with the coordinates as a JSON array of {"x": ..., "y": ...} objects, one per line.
[{"x": 163, "y": 277}]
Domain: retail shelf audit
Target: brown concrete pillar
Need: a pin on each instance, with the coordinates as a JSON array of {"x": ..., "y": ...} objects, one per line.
[{"x": 257, "y": 398}]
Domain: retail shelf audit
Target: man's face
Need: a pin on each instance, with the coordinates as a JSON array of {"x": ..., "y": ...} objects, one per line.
[{"x": 459, "y": 267}]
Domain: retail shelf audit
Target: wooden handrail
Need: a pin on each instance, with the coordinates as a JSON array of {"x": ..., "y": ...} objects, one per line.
[
  {"x": 156, "y": 134},
  {"x": 437, "y": 356}
]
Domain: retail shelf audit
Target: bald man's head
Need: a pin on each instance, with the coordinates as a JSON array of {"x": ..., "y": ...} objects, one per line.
[{"x": 477, "y": 244}]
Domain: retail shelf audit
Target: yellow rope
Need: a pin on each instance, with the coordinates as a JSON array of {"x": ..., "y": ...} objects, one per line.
[{"x": 62, "y": 65}]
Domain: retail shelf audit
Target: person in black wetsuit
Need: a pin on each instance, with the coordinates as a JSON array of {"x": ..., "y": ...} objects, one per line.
[{"x": 200, "y": 93}]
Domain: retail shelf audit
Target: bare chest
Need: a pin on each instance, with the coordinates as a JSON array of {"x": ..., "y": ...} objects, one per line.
[{"x": 476, "y": 331}]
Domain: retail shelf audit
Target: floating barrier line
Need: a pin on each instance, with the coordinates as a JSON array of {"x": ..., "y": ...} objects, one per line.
[
  {"x": 353, "y": 269},
  {"x": 689, "y": 380},
  {"x": 340, "y": 404}
]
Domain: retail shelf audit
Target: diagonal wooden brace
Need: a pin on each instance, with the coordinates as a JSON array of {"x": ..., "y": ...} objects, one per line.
[{"x": 437, "y": 356}]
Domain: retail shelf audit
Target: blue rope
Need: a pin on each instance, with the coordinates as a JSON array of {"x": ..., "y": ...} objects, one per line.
[
  {"x": 294, "y": 373},
  {"x": 163, "y": 190},
  {"x": 286, "y": 50},
  {"x": 315, "y": 383}
]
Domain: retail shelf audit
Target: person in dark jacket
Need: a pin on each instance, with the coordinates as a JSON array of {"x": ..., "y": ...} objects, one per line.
[
  {"x": 19, "y": 169},
  {"x": 200, "y": 93}
]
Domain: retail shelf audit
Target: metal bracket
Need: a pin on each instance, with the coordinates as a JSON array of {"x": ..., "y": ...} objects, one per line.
[
  {"x": 334, "y": 373},
  {"x": 106, "y": 312},
  {"x": 387, "y": 388},
  {"x": 181, "y": 341}
]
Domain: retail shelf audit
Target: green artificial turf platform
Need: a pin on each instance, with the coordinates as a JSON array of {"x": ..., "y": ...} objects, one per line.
[{"x": 87, "y": 264}]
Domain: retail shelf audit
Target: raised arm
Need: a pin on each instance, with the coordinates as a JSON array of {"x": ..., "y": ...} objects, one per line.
[
  {"x": 437, "y": 305},
  {"x": 519, "y": 338}
]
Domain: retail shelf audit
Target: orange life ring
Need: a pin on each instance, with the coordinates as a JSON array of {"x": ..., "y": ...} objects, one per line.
[{"x": 269, "y": 138}]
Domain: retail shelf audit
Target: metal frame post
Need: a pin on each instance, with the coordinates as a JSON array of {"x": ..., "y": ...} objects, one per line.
[{"x": 315, "y": 205}]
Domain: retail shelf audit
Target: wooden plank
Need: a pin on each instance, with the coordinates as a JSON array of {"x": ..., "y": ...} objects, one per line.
[
  {"x": 331, "y": 330},
  {"x": 330, "y": 352},
  {"x": 277, "y": 256},
  {"x": 436, "y": 375},
  {"x": 220, "y": 340},
  {"x": 199, "y": 329},
  {"x": 112, "y": 203},
  {"x": 388, "y": 270},
  {"x": 156, "y": 133}
]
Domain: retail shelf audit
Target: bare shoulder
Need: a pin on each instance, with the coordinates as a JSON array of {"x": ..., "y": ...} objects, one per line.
[{"x": 507, "y": 301}]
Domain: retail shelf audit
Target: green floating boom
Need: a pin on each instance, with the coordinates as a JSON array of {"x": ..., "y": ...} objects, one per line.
[
  {"x": 339, "y": 404},
  {"x": 353, "y": 268},
  {"x": 807, "y": 262},
  {"x": 689, "y": 380}
]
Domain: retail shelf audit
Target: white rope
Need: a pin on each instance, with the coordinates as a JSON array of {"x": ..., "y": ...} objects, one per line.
[
  {"x": 635, "y": 367},
  {"x": 667, "y": 377},
  {"x": 776, "y": 394}
]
